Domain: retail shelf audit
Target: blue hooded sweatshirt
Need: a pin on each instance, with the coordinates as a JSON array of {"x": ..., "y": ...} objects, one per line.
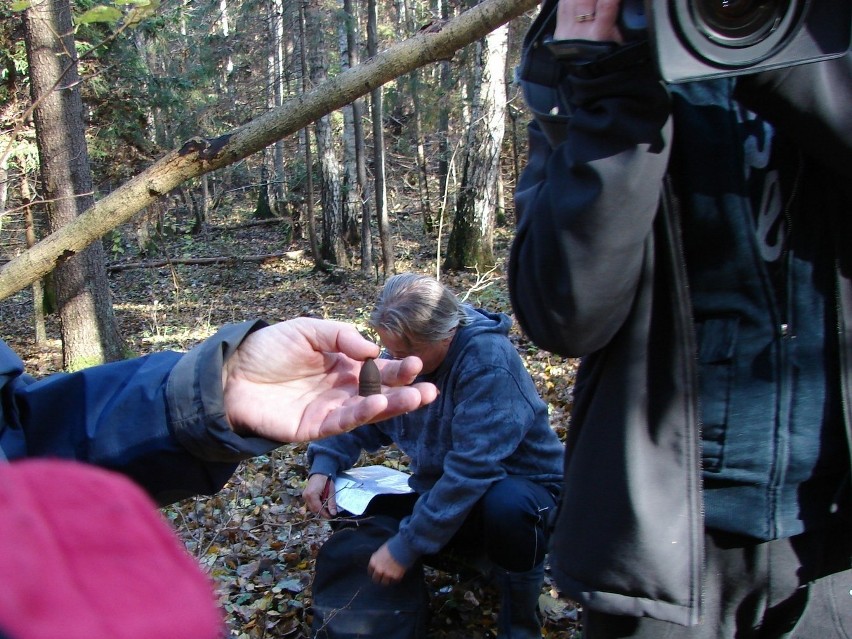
[{"x": 487, "y": 423}]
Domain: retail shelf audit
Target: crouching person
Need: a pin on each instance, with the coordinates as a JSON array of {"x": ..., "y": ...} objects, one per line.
[{"x": 486, "y": 466}]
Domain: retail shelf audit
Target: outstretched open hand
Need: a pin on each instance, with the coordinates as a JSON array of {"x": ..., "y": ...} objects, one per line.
[{"x": 298, "y": 381}]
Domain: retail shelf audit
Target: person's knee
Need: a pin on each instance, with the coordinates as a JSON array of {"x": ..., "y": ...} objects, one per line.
[
  {"x": 508, "y": 505},
  {"x": 513, "y": 521}
]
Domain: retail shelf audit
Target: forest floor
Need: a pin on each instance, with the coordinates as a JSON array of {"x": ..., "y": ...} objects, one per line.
[{"x": 254, "y": 537}]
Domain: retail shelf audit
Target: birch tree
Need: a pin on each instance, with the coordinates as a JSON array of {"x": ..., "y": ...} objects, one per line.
[
  {"x": 471, "y": 240},
  {"x": 332, "y": 246}
]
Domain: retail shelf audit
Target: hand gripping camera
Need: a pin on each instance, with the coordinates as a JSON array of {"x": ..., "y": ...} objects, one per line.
[{"x": 696, "y": 39}]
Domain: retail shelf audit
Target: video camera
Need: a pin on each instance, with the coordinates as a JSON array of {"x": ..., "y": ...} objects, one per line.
[{"x": 697, "y": 39}]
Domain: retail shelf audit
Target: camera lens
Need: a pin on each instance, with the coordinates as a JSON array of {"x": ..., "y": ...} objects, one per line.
[
  {"x": 737, "y": 33},
  {"x": 702, "y": 39},
  {"x": 738, "y": 23}
]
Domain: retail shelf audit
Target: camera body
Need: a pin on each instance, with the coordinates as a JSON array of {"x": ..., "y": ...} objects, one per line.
[{"x": 700, "y": 39}]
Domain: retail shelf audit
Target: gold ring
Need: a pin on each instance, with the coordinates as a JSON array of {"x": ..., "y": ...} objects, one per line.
[{"x": 585, "y": 17}]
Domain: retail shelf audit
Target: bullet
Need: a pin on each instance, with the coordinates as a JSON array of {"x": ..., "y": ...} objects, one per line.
[{"x": 370, "y": 380}]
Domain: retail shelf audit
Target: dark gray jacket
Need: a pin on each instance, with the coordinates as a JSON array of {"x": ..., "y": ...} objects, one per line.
[{"x": 588, "y": 279}]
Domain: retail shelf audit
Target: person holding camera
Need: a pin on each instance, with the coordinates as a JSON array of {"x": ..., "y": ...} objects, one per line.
[{"x": 690, "y": 242}]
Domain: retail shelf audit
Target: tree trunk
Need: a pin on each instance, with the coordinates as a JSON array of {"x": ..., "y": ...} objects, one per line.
[
  {"x": 471, "y": 240},
  {"x": 203, "y": 212},
  {"x": 407, "y": 17},
  {"x": 444, "y": 146},
  {"x": 361, "y": 167},
  {"x": 38, "y": 286},
  {"x": 262, "y": 210},
  {"x": 350, "y": 202},
  {"x": 332, "y": 245},
  {"x": 276, "y": 36},
  {"x": 154, "y": 131},
  {"x": 89, "y": 332},
  {"x": 306, "y": 137},
  {"x": 224, "y": 23},
  {"x": 514, "y": 113},
  {"x": 422, "y": 167},
  {"x": 200, "y": 155},
  {"x": 388, "y": 266},
  {"x": 4, "y": 176},
  {"x": 353, "y": 46}
]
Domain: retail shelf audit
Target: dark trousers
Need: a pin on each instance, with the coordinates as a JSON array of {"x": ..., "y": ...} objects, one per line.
[
  {"x": 509, "y": 524},
  {"x": 796, "y": 588}
]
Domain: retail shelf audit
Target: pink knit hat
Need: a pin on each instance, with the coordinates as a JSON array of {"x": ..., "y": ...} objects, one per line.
[{"x": 84, "y": 554}]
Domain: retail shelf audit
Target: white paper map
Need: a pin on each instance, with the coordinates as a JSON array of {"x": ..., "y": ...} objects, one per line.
[{"x": 354, "y": 488}]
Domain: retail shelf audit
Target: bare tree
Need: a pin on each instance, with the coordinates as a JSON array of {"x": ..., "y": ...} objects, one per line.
[
  {"x": 357, "y": 175},
  {"x": 471, "y": 239},
  {"x": 377, "y": 117},
  {"x": 276, "y": 64},
  {"x": 306, "y": 138},
  {"x": 407, "y": 21},
  {"x": 89, "y": 332},
  {"x": 332, "y": 245},
  {"x": 445, "y": 151},
  {"x": 38, "y": 286}
]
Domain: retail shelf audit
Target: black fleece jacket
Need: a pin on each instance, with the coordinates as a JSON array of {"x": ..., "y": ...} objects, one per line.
[{"x": 597, "y": 272}]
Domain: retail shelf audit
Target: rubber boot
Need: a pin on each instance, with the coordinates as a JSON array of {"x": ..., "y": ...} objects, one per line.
[{"x": 518, "y": 617}]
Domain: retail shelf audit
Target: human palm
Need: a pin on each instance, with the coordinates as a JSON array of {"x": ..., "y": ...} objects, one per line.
[{"x": 298, "y": 381}]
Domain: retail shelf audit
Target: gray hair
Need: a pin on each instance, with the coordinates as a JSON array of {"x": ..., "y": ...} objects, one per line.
[{"x": 417, "y": 308}]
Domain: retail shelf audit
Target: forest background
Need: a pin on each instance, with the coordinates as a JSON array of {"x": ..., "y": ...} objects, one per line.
[{"x": 415, "y": 173}]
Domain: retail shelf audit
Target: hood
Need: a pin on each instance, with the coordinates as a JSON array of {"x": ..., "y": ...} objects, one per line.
[{"x": 480, "y": 322}]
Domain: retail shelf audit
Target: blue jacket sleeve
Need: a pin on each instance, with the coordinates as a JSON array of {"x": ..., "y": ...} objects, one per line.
[
  {"x": 586, "y": 203},
  {"x": 335, "y": 454},
  {"x": 158, "y": 419}
]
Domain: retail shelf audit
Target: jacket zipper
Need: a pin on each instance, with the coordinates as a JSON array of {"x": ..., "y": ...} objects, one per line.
[
  {"x": 844, "y": 365},
  {"x": 671, "y": 217},
  {"x": 787, "y": 333}
]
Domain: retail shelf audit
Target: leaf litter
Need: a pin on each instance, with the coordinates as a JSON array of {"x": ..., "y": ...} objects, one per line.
[{"x": 254, "y": 537}]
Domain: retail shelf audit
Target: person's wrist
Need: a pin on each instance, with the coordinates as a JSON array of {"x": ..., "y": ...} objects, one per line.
[
  {"x": 578, "y": 51},
  {"x": 227, "y": 367},
  {"x": 593, "y": 59}
]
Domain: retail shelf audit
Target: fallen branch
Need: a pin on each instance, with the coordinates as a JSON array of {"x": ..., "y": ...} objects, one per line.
[
  {"x": 221, "y": 259},
  {"x": 251, "y": 223},
  {"x": 201, "y": 155}
]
